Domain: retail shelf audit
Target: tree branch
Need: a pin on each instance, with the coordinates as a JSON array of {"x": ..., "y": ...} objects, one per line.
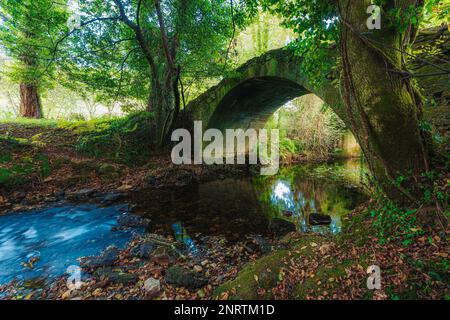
[
  {"x": 164, "y": 38},
  {"x": 123, "y": 17},
  {"x": 138, "y": 33}
]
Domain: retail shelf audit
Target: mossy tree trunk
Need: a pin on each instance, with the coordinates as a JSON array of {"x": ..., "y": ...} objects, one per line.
[
  {"x": 164, "y": 96},
  {"x": 383, "y": 107}
]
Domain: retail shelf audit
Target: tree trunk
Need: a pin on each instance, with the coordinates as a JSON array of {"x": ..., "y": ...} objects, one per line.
[
  {"x": 30, "y": 103},
  {"x": 383, "y": 107},
  {"x": 164, "y": 102}
]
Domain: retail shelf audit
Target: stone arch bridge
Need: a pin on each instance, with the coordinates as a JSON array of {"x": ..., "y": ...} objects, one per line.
[{"x": 264, "y": 84}]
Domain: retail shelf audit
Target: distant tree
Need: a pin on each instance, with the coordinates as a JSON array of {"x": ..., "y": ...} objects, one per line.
[{"x": 28, "y": 31}]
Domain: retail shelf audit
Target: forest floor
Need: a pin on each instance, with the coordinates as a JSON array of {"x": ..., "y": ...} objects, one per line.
[{"x": 41, "y": 164}]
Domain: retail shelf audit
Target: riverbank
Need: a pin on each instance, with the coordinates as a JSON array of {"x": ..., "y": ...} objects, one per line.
[
  {"x": 317, "y": 267},
  {"x": 42, "y": 162}
]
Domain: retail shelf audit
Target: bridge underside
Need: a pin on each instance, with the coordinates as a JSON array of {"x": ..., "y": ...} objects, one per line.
[{"x": 251, "y": 103}]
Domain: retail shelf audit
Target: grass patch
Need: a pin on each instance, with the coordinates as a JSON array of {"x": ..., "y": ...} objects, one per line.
[
  {"x": 27, "y": 122},
  {"x": 21, "y": 161}
]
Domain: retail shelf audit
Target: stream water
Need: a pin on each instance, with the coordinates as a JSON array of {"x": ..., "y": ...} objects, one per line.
[{"x": 43, "y": 243}]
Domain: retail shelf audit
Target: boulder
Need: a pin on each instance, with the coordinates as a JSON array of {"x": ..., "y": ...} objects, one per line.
[{"x": 280, "y": 227}]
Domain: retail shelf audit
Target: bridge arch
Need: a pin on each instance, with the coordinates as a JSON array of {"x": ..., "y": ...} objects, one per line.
[{"x": 256, "y": 90}]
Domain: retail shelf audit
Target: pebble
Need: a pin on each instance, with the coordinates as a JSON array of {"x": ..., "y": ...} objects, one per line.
[
  {"x": 198, "y": 269},
  {"x": 152, "y": 287}
]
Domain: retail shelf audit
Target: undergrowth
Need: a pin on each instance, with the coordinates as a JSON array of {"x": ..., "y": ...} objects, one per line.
[
  {"x": 126, "y": 139},
  {"x": 392, "y": 221}
]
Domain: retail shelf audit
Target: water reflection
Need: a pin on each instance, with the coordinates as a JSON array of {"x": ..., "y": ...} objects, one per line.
[
  {"x": 297, "y": 192},
  {"x": 235, "y": 208}
]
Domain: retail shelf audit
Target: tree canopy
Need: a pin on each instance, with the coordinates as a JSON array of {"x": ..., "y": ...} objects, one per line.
[{"x": 28, "y": 33}]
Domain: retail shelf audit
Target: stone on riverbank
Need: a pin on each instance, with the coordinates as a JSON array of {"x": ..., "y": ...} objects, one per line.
[
  {"x": 144, "y": 250},
  {"x": 180, "y": 277},
  {"x": 280, "y": 227},
  {"x": 152, "y": 287}
]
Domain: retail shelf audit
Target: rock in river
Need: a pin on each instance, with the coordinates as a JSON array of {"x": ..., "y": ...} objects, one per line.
[
  {"x": 180, "y": 277},
  {"x": 316, "y": 219},
  {"x": 127, "y": 220},
  {"x": 280, "y": 227},
  {"x": 107, "y": 258}
]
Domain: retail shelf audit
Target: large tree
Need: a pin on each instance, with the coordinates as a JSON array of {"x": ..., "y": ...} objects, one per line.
[
  {"x": 143, "y": 49},
  {"x": 383, "y": 105},
  {"x": 28, "y": 31}
]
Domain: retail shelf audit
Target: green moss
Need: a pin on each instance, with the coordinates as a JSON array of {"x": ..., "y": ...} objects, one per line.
[
  {"x": 23, "y": 169},
  {"x": 267, "y": 271},
  {"x": 324, "y": 275},
  {"x": 127, "y": 139},
  {"x": 245, "y": 285},
  {"x": 9, "y": 142}
]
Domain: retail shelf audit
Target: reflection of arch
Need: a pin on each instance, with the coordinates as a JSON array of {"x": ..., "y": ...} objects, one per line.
[{"x": 256, "y": 90}]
